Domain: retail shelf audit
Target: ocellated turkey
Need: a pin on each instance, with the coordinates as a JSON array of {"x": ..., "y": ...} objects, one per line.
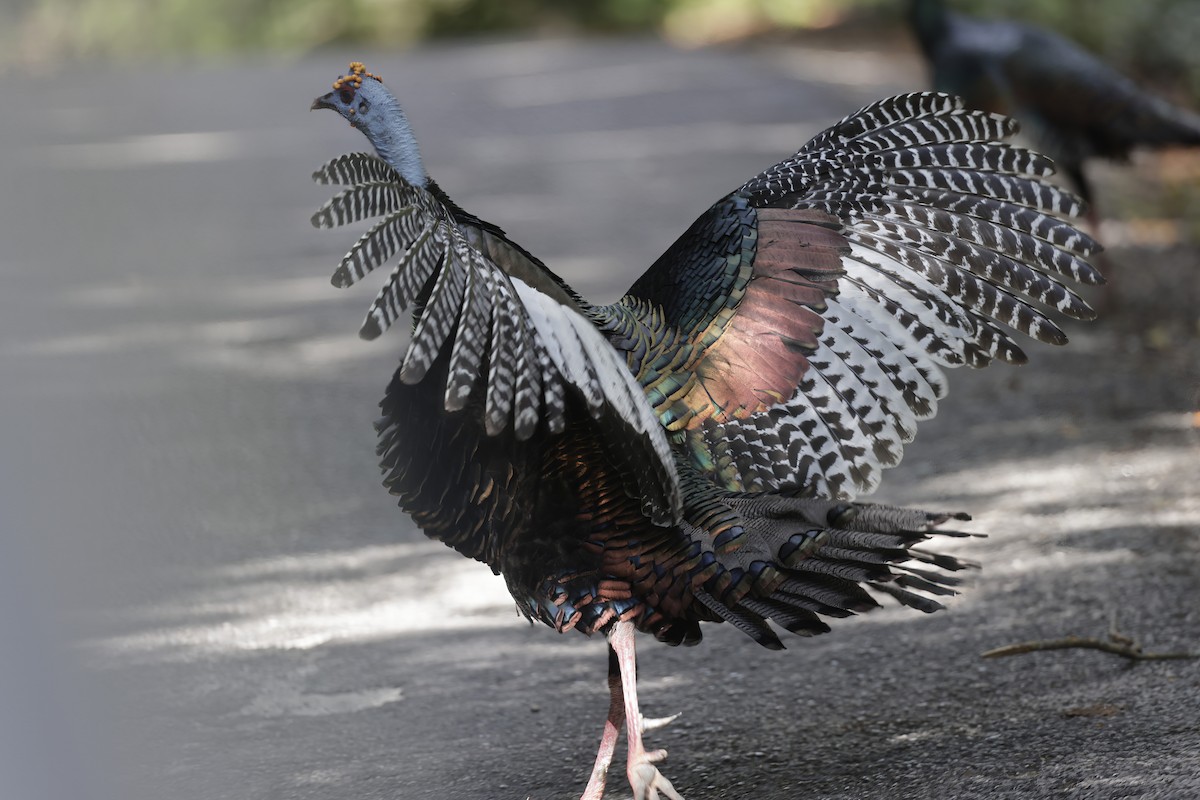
[
  {"x": 1074, "y": 106},
  {"x": 690, "y": 453}
]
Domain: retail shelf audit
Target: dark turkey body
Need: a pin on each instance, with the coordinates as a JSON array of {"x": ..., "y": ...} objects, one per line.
[
  {"x": 1075, "y": 106},
  {"x": 550, "y": 514}
]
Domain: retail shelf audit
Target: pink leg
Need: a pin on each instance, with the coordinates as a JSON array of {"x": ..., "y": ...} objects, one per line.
[
  {"x": 612, "y": 729},
  {"x": 645, "y": 779}
]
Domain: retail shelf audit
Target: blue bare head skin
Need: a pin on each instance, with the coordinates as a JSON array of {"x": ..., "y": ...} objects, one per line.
[{"x": 362, "y": 99}]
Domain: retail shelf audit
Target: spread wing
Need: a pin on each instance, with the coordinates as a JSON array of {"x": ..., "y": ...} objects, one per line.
[
  {"x": 794, "y": 336},
  {"x": 518, "y": 339}
]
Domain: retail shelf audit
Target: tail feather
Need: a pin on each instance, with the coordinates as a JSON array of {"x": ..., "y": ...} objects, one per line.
[
  {"x": 925, "y": 585},
  {"x": 890, "y": 519},
  {"x": 942, "y": 560},
  {"x": 795, "y": 620},
  {"x": 882, "y": 555},
  {"x": 833, "y": 598},
  {"x": 851, "y": 551},
  {"x": 941, "y": 579},
  {"x": 746, "y": 621},
  {"x": 848, "y": 570},
  {"x": 866, "y": 540},
  {"x": 910, "y": 599}
]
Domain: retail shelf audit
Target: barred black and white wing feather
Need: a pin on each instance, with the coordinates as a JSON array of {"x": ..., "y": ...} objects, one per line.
[
  {"x": 906, "y": 238},
  {"x": 522, "y": 346}
]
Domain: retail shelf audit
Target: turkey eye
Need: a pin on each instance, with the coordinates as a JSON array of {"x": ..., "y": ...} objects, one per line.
[
  {"x": 346, "y": 96},
  {"x": 363, "y": 106}
]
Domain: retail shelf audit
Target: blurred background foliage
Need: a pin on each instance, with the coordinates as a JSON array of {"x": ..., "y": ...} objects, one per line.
[{"x": 1153, "y": 40}]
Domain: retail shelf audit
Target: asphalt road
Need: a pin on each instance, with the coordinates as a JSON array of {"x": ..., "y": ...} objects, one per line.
[{"x": 204, "y": 592}]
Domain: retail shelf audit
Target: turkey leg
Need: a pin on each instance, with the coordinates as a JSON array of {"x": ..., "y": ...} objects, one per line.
[
  {"x": 612, "y": 729},
  {"x": 644, "y": 778}
]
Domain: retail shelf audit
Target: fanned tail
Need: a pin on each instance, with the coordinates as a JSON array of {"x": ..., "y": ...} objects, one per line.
[{"x": 797, "y": 560}]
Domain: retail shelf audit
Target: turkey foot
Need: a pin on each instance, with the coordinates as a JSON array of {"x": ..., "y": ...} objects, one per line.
[{"x": 645, "y": 779}]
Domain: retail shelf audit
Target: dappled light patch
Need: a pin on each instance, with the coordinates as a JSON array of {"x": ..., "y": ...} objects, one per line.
[{"x": 302, "y": 602}]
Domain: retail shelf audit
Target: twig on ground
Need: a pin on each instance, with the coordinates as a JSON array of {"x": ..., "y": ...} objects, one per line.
[
  {"x": 1117, "y": 643},
  {"x": 1133, "y": 652}
]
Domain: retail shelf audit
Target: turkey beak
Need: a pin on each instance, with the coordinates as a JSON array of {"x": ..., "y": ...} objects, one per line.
[{"x": 324, "y": 101}]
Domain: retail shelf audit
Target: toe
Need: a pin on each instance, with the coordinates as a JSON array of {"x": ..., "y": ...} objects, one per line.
[
  {"x": 655, "y": 723},
  {"x": 649, "y": 784}
]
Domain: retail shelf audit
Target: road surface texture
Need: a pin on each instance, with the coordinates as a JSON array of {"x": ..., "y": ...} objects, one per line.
[{"x": 206, "y": 594}]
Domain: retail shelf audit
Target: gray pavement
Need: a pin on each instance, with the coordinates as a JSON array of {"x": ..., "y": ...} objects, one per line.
[{"x": 204, "y": 592}]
